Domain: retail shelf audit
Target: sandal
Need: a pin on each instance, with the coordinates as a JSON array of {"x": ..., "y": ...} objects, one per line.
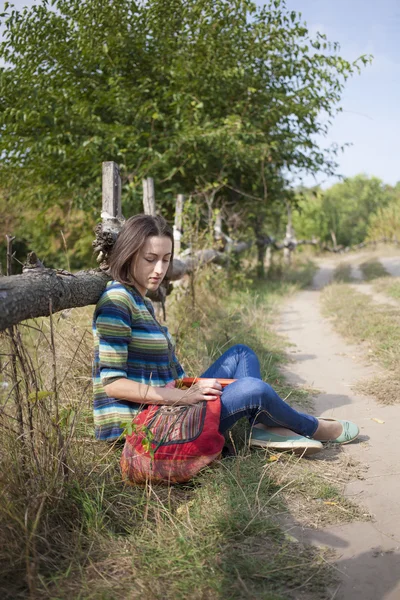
[
  {"x": 350, "y": 432},
  {"x": 297, "y": 444}
]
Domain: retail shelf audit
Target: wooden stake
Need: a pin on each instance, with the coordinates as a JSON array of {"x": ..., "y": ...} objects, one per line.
[
  {"x": 111, "y": 191},
  {"x": 268, "y": 258},
  {"x": 218, "y": 227},
  {"x": 10, "y": 240},
  {"x": 111, "y": 213},
  {"x": 180, "y": 199},
  {"x": 290, "y": 241},
  {"x": 334, "y": 241},
  {"x": 149, "y": 199}
]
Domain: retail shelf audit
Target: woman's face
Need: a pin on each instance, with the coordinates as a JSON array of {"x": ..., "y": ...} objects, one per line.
[{"x": 150, "y": 264}]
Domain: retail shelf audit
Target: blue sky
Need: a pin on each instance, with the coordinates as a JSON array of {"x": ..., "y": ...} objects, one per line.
[
  {"x": 370, "y": 119},
  {"x": 371, "y": 102}
]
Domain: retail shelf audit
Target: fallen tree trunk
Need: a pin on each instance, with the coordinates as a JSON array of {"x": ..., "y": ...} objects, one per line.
[
  {"x": 344, "y": 249},
  {"x": 41, "y": 292}
]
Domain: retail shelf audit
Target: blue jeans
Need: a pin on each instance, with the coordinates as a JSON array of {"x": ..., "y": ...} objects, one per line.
[{"x": 253, "y": 398}]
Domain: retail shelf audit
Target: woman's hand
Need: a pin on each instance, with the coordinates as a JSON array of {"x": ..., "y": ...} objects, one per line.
[
  {"x": 204, "y": 389},
  {"x": 140, "y": 393}
]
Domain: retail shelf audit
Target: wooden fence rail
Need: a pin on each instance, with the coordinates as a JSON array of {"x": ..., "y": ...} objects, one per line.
[{"x": 40, "y": 291}]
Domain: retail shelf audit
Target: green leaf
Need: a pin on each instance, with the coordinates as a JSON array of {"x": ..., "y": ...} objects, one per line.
[
  {"x": 191, "y": 93},
  {"x": 40, "y": 395}
]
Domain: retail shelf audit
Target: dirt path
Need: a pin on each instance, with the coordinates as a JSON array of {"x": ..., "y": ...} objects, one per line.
[
  {"x": 391, "y": 264},
  {"x": 378, "y": 298},
  {"x": 368, "y": 551}
]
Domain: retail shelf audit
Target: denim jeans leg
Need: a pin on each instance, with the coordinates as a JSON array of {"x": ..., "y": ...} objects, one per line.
[
  {"x": 252, "y": 398},
  {"x": 237, "y": 362}
]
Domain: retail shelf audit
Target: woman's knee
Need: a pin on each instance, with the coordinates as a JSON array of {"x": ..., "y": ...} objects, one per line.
[
  {"x": 248, "y": 394},
  {"x": 243, "y": 349},
  {"x": 254, "y": 387}
]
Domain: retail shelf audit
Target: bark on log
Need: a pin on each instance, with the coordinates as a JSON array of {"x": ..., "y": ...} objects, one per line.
[
  {"x": 343, "y": 249},
  {"x": 28, "y": 295}
]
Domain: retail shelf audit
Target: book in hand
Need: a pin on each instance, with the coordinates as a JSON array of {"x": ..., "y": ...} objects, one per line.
[{"x": 187, "y": 382}]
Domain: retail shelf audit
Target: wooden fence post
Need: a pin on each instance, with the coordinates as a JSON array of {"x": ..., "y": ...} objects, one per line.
[
  {"x": 268, "y": 258},
  {"x": 218, "y": 227},
  {"x": 10, "y": 239},
  {"x": 334, "y": 241},
  {"x": 111, "y": 191},
  {"x": 111, "y": 213},
  {"x": 180, "y": 199},
  {"x": 149, "y": 199},
  {"x": 290, "y": 238}
]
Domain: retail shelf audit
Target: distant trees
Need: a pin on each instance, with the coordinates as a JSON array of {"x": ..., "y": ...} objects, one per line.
[
  {"x": 385, "y": 222},
  {"x": 343, "y": 212},
  {"x": 217, "y": 99}
]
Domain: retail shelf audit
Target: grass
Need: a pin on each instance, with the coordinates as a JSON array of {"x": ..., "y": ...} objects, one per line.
[
  {"x": 373, "y": 269},
  {"x": 359, "y": 319},
  {"x": 342, "y": 273},
  {"x": 389, "y": 286},
  {"x": 215, "y": 539},
  {"x": 315, "y": 498},
  {"x": 70, "y": 528}
]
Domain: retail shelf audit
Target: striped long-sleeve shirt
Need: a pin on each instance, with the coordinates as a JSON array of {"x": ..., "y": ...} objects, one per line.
[{"x": 129, "y": 343}]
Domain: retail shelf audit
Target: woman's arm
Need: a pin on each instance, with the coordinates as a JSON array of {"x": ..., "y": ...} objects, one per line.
[{"x": 126, "y": 389}]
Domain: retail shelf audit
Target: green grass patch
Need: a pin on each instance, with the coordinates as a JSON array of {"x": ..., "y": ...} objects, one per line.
[
  {"x": 389, "y": 286},
  {"x": 373, "y": 269},
  {"x": 213, "y": 539},
  {"x": 69, "y": 527},
  {"x": 315, "y": 494},
  {"x": 359, "y": 319},
  {"x": 342, "y": 273},
  {"x": 300, "y": 273}
]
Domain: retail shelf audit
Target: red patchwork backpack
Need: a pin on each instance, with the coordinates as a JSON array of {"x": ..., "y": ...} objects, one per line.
[{"x": 172, "y": 443}]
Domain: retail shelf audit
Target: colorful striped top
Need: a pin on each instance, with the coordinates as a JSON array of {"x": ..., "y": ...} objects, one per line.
[{"x": 129, "y": 343}]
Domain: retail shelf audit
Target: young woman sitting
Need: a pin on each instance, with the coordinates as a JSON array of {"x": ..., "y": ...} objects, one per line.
[{"x": 135, "y": 362}]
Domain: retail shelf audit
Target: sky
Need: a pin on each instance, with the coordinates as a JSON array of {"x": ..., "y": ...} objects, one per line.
[{"x": 370, "y": 120}]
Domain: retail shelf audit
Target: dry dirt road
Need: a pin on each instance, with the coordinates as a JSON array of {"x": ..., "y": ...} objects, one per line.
[{"x": 368, "y": 552}]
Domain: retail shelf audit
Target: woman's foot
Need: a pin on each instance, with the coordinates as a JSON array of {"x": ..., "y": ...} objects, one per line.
[
  {"x": 336, "y": 431},
  {"x": 283, "y": 440}
]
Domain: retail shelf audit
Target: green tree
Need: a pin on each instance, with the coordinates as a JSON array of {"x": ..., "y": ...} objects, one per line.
[
  {"x": 309, "y": 218},
  {"x": 386, "y": 221},
  {"x": 210, "y": 97},
  {"x": 344, "y": 209}
]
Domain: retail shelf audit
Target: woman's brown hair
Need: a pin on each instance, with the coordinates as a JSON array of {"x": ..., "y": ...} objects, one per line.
[{"x": 131, "y": 239}]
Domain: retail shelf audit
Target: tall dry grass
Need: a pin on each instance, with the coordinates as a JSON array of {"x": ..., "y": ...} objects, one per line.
[
  {"x": 376, "y": 327},
  {"x": 69, "y": 527},
  {"x": 45, "y": 404}
]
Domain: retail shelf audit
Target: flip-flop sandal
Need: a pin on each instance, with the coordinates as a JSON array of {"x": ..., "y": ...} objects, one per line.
[
  {"x": 350, "y": 432},
  {"x": 299, "y": 445}
]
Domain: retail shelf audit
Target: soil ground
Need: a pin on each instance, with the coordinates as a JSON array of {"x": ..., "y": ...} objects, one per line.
[{"x": 368, "y": 552}]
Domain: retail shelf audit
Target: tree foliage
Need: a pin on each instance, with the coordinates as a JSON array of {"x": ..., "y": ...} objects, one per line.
[
  {"x": 345, "y": 209},
  {"x": 385, "y": 222},
  {"x": 211, "y": 97}
]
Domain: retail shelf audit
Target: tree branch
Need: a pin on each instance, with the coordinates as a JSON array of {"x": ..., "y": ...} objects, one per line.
[{"x": 30, "y": 295}]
